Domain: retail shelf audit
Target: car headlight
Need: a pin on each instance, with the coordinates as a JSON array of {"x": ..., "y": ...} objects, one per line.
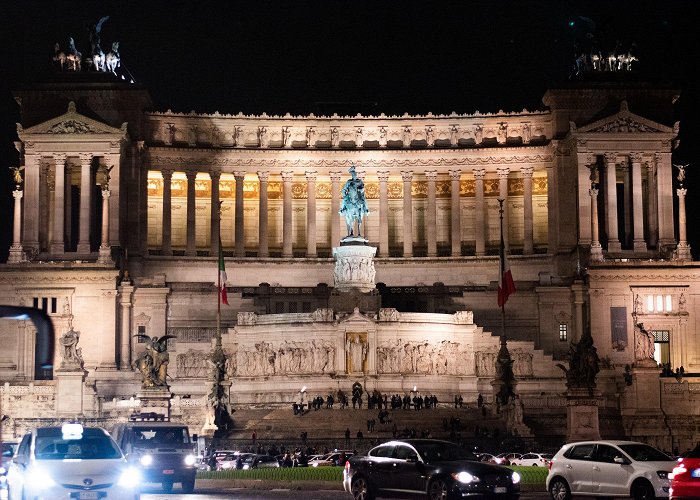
[
  {"x": 146, "y": 460},
  {"x": 662, "y": 474},
  {"x": 130, "y": 478},
  {"x": 246, "y": 466},
  {"x": 465, "y": 477},
  {"x": 41, "y": 479},
  {"x": 190, "y": 460},
  {"x": 515, "y": 478}
]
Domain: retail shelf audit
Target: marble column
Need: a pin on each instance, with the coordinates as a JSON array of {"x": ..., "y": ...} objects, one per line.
[
  {"x": 57, "y": 242},
  {"x": 627, "y": 204},
  {"x": 640, "y": 245},
  {"x": 125, "y": 293},
  {"x": 455, "y": 214},
  {"x": 407, "y": 176},
  {"x": 46, "y": 203},
  {"x": 527, "y": 210},
  {"x": 263, "y": 215},
  {"x": 311, "y": 214},
  {"x": 596, "y": 249},
  {"x": 479, "y": 212},
  {"x": 239, "y": 215},
  {"x": 431, "y": 220},
  {"x": 287, "y": 232},
  {"x": 611, "y": 202},
  {"x": 191, "y": 213},
  {"x": 215, "y": 218},
  {"x": 335, "y": 207},
  {"x": 68, "y": 206},
  {"x": 652, "y": 217},
  {"x": 664, "y": 194},
  {"x": 32, "y": 164},
  {"x": 503, "y": 195},
  {"x": 166, "y": 243},
  {"x": 683, "y": 249},
  {"x": 383, "y": 177},
  {"x": 16, "y": 251},
  {"x": 105, "y": 253},
  {"x": 85, "y": 202}
]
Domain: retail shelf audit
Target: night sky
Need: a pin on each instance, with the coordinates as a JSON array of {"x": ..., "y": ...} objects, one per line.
[{"x": 352, "y": 57}]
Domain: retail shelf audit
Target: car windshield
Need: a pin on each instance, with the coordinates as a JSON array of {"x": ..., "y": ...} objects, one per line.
[
  {"x": 93, "y": 444},
  {"x": 160, "y": 436},
  {"x": 644, "y": 453},
  {"x": 8, "y": 449},
  {"x": 442, "y": 452}
]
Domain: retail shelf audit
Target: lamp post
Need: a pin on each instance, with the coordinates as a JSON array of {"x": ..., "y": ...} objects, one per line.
[{"x": 302, "y": 392}]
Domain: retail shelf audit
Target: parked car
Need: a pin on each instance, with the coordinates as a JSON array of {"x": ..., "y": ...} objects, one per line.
[
  {"x": 71, "y": 461},
  {"x": 260, "y": 462},
  {"x": 437, "y": 468},
  {"x": 507, "y": 458},
  {"x": 231, "y": 461},
  {"x": 334, "y": 458},
  {"x": 685, "y": 478},
  {"x": 533, "y": 460},
  {"x": 486, "y": 457},
  {"x": 609, "y": 468}
]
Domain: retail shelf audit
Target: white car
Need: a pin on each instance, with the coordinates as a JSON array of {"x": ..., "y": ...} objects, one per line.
[
  {"x": 609, "y": 468},
  {"x": 533, "y": 460},
  {"x": 72, "y": 461}
]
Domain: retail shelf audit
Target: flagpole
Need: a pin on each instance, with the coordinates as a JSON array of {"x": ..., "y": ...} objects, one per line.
[
  {"x": 502, "y": 254},
  {"x": 218, "y": 288}
]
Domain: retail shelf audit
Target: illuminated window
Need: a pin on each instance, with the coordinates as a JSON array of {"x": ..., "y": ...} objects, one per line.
[
  {"x": 662, "y": 351},
  {"x": 669, "y": 304},
  {"x": 659, "y": 303},
  {"x": 650, "y": 303},
  {"x": 563, "y": 332}
]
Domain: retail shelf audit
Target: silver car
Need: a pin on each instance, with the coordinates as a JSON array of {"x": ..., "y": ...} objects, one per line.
[{"x": 609, "y": 468}]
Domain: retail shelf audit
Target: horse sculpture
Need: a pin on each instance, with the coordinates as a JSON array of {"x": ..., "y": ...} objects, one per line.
[
  {"x": 624, "y": 61},
  {"x": 113, "y": 59},
  {"x": 98, "y": 59},
  {"x": 59, "y": 57},
  {"x": 354, "y": 205},
  {"x": 73, "y": 57}
]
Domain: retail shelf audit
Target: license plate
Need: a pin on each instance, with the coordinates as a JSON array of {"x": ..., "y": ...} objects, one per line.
[
  {"x": 168, "y": 471},
  {"x": 89, "y": 495},
  {"x": 695, "y": 473},
  {"x": 500, "y": 489}
]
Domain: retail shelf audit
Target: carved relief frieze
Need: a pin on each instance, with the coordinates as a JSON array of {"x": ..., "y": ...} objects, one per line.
[
  {"x": 285, "y": 358},
  {"x": 423, "y": 357}
]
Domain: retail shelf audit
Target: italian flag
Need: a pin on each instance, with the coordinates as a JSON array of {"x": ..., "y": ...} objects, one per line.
[
  {"x": 506, "y": 285},
  {"x": 222, "y": 276}
]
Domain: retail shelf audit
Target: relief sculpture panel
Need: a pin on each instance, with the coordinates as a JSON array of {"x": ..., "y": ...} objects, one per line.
[
  {"x": 286, "y": 358},
  {"x": 443, "y": 358}
]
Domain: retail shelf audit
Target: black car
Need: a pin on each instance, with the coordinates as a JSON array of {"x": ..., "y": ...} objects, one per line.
[{"x": 420, "y": 467}]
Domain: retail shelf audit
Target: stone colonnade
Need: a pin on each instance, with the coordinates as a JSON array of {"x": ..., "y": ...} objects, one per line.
[{"x": 430, "y": 219}]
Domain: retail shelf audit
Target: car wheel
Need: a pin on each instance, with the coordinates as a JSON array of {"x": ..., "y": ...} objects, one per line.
[
  {"x": 188, "y": 485},
  {"x": 559, "y": 489},
  {"x": 438, "y": 490},
  {"x": 167, "y": 486},
  {"x": 642, "y": 490},
  {"x": 361, "y": 489}
]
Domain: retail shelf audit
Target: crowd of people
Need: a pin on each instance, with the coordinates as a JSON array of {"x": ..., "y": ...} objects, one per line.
[{"x": 374, "y": 400}]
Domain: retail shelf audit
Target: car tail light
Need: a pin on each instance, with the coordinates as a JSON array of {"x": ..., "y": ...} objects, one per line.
[
  {"x": 551, "y": 462},
  {"x": 347, "y": 465}
]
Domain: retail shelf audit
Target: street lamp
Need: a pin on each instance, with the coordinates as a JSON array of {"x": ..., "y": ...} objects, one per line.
[{"x": 302, "y": 391}]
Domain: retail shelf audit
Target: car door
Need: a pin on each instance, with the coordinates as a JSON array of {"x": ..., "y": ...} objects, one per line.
[
  {"x": 408, "y": 471},
  {"x": 378, "y": 467},
  {"x": 577, "y": 468},
  {"x": 609, "y": 477}
]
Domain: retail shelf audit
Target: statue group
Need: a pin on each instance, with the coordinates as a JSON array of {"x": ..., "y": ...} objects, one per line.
[
  {"x": 354, "y": 205},
  {"x": 153, "y": 362},
  {"x": 72, "y": 59}
]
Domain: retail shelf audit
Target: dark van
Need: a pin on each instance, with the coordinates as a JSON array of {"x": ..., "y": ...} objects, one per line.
[{"x": 163, "y": 451}]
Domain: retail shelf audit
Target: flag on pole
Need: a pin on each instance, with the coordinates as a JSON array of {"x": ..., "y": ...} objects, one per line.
[
  {"x": 222, "y": 276},
  {"x": 506, "y": 285}
]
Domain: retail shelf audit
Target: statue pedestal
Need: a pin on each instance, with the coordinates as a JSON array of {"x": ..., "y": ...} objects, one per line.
[
  {"x": 582, "y": 415},
  {"x": 69, "y": 392},
  {"x": 646, "y": 387},
  {"x": 353, "y": 277},
  {"x": 17, "y": 255},
  {"x": 155, "y": 403}
]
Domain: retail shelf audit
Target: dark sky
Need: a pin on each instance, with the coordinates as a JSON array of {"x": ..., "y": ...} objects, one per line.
[{"x": 351, "y": 56}]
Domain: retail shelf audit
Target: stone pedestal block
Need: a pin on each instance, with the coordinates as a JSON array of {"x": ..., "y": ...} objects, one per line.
[
  {"x": 155, "y": 403},
  {"x": 646, "y": 387},
  {"x": 69, "y": 393},
  {"x": 582, "y": 415},
  {"x": 354, "y": 266}
]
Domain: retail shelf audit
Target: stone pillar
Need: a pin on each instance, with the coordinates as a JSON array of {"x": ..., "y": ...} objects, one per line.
[
  {"x": 287, "y": 233},
  {"x": 311, "y": 214},
  {"x": 579, "y": 290},
  {"x": 69, "y": 393},
  {"x": 166, "y": 244},
  {"x": 683, "y": 249},
  {"x": 16, "y": 251},
  {"x": 191, "y": 213},
  {"x": 32, "y": 164},
  {"x": 57, "y": 242},
  {"x": 596, "y": 248},
  {"x": 479, "y": 212},
  {"x": 455, "y": 214},
  {"x": 527, "y": 210},
  {"x": 126, "y": 291},
  {"x": 611, "y": 202},
  {"x": 85, "y": 198},
  {"x": 215, "y": 219},
  {"x": 47, "y": 183},
  {"x": 431, "y": 220},
  {"x": 239, "y": 215},
  {"x": 407, "y": 214},
  {"x": 653, "y": 216},
  {"x": 105, "y": 254},
  {"x": 262, "y": 215},
  {"x": 664, "y": 193},
  {"x": 335, "y": 207},
  {"x": 67, "y": 205},
  {"x": 627, "y": 204},
  {"x": 640, "y": 245},
  {"x": 503, "y": 195},
  {"x": 383, "y": 213}
]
